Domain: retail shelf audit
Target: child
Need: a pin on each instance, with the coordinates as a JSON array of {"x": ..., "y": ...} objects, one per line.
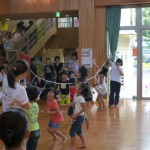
[
  {"x": 64, "y": 89},
  {"x": 72, "y": 79},
  {"x": 101, "y": 87},
  {"x": 14, "y": 129},
  {"x": 72, "y": 89},
  {"x": 56, "y": 116},
  {"x": 81, "y": 76},
  {"x": 14, "y": 95},
  {"x": 33, "y": 113},
  {"x": 78, "y": 114}
]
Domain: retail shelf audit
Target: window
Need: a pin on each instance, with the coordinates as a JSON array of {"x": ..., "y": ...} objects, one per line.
[
  {"x": 128, "y": 17},
  {"x": 65, "y": 22},
  {"x": 146, "y": 16}
]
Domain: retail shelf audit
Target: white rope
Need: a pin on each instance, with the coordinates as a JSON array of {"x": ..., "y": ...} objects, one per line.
[
  {"x": 32, "y": 80},
  {"x": 98, "y": 70},
  {"x": 42, "y": 89}
]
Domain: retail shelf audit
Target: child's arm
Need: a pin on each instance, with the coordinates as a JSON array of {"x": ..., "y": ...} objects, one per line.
[
  {"x": 67, "y": 105},
  {"x": 56, "y": 111},
  {"x": 74, "y": 116}
]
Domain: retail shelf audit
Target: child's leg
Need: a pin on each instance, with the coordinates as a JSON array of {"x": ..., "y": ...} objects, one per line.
[
  {"x": 75, "y": 129},
  {"x": 83, "y": 141},
  {"x": 73, "y": 141},
  {"x": 80, "y": 134},
  {"x": 100, "y": 102},
  {"x": 87, "y": 122},
  {"x": 50, "y": 130},
  {"x": 57, "y": 132},
  {"x": 103, "y": 104}
]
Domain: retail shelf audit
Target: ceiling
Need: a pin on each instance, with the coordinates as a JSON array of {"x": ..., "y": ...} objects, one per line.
[{"x": 73, "y": 13}]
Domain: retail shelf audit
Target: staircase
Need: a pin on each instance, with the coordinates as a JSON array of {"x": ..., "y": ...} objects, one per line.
[{"x": 33, "y": 40}]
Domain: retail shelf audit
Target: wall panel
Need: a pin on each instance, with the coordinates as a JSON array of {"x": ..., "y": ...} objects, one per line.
[{"x": 101, "y": 3}]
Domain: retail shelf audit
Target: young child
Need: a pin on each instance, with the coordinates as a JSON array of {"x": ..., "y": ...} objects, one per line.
[
  {"x": 78, "y": 114},
  {"x": 33, "y": 113},
  {"x": 72, "y": 79},
  {"x": 14, "y": 129},
  {"x": 101, "y": 87},
  {"x": 64, "y": 89},
  {"x": 56, "y": 116}
]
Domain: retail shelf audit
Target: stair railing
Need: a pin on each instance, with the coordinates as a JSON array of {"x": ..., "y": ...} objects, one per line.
[{"x": 31, "y": 37}]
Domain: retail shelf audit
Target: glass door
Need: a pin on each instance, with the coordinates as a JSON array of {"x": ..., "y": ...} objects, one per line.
[
  {"x": 127, "y": 51},
  {"x": 146, "y": 63}
]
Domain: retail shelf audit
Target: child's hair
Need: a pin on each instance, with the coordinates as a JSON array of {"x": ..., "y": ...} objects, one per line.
[
  {"x": 2, "y": 68},
  {"x": 103, "y": 71},
  {"x": 20, "y": 67},
  {"x": 14, "y": 124},
  {"x": 48, "y": 59},
  {"x": 86, "y": 92},
  {"x": 71, "y": 72},
  {"x": 33, "y": 59},
  {"x": 56, "y": 57},
  {"x": 83, "y": 71},
  {"x": 51, "y": 90},
  {"x": 32, "y": 93},
  {"x": 21, "y": 81},
  {"x": 64, "y": 72},
  {"x": 75, "y": 54},
  {"x": 1, "y": 84}
]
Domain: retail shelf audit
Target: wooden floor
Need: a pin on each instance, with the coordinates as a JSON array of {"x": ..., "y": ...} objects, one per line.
[{"x": 126, "y": 127}]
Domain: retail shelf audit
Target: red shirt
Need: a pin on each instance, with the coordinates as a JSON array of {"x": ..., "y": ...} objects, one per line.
[
  {"x": 52, "y": 106},
  {"x": 72, "y": 93}
]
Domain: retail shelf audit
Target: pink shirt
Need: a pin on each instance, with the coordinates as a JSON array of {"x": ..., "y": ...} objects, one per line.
[{"x": 52, "y": 106}]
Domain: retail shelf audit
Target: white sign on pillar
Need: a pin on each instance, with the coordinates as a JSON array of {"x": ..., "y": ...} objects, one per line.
[{"x": 87, "y": 57}]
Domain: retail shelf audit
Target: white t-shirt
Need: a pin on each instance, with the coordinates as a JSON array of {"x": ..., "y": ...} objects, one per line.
[
  {"x": 13, "y": 98},
  {"x": 101, "y": 88},
  {"x": 115, "y": 73},
  {"x": 77, "y": 104}
]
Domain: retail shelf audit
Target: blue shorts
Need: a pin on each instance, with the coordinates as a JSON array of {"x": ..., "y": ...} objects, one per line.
[
  {"x": 76, "y": 127},
  {"x": 53, "y": 125}
]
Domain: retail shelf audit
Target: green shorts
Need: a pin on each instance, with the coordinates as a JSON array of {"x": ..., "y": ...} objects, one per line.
[{"x": 64, "y": 99}]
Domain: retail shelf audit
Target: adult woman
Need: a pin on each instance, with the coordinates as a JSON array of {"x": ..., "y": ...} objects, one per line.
[
  {"x": 59, "y": 67},
  {"x": 115, "y": 81},
  {"x": 73, "y": 65},
  {"x": 14, "y": 95},
  {"x": 14, "y": 129}
]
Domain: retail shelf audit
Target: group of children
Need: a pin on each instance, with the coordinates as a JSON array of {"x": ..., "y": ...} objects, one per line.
[
  {"x": 74, "y": 92},
  {"x": 54, "y": 109}
]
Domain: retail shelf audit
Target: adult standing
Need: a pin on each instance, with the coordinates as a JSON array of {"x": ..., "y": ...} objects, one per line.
[
  {"x": 115, "y": 81},
  {"x": 59, "y": 67},
  {"x": 73, "y": 65},
  {"x": 14, "y": 95},
  {"x": 8, "y": 42},
  {"x": 49, "y": 71}
]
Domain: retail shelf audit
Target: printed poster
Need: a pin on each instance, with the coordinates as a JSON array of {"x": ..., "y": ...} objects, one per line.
[{"x": 87, "y": 57}]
